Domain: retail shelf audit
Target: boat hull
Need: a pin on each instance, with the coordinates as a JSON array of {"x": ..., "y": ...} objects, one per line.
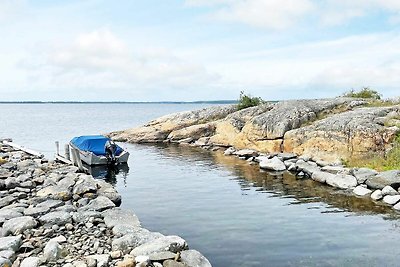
[{"x": 91, "y": 159}]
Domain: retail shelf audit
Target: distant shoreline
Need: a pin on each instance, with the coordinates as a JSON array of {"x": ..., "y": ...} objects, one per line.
[{"x": 121, "y": 102}]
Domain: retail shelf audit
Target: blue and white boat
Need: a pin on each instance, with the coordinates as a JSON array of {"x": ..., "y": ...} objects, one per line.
[{"x": 99, "y": 150}]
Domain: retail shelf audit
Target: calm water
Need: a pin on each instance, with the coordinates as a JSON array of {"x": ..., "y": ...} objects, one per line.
[{"x": 227, "y": 209}]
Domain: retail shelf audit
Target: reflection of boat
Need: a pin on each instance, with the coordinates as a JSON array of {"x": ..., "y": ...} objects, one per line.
[
  {"x": 99, "y": 150},
  {"x": 108, "y": 173}
]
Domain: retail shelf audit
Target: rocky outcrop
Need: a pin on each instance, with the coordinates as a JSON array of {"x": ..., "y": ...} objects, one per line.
[
  {"x": 324, "y": 129},
  {"x": 158, "y": 130}
]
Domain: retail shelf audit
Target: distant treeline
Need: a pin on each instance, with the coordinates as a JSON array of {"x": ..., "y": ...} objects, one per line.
[{"x": 121, "y": 102}]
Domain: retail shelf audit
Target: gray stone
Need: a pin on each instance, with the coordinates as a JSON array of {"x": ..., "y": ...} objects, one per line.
[
  {"x": 84, "y": 215},
  {"x": 388, "y": 190},
  {"x": 362, "y": 174},
  {"x": 7, "y": 254},
  {"x": 91, "y": 262},
  {"x": 102, "y": 260},
  {"x": 161, "y": 256},
  {"x": 52, "y": 251},
  {"x": 229, "y": 151},
  {"x": 274, "y": 164},
  {"x": 383, "y": 179},
  {"x": 377, "y": 195},
  {"x": 134, "y": 238},
  {"x": 286, "y": 156},
  {"x": 51, "y": 203},
  {"x": 172, "y": 263},
  {"x": 7, "y": 200},
  {"x": 307, "y": 167},
  {"x": 335, "y": 169},
  {"x": 116, "y": 216},
  {"x": 203, "y": 141},
  {"x": 107, "y": 190},
  {"x": 321, "y": 176},
  {"x": 56, "y": 217},
  {"x": 166, "y": 243},
  {"x": 99, "y": 204},
  {"x": 361, "y": 191},
  {"x": 246, "y": 153},
  {"x": 16, "y": 226},
  {"x": 397, "y": 206},
  {"x": 30, "y": 262},
  {"x": 342, "y": 181},
  {"x": 84, "y": 185},
  {"x": 193, "y": 258},
  {"x": 6, "y": 214},
  {"x": 391, "y": 200},
  {"x": 10, "y": 243},
  {"x": 36, "y": 211}
]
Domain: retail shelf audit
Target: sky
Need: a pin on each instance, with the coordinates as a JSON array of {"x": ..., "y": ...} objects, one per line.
[{"x": 187, "y": 50}]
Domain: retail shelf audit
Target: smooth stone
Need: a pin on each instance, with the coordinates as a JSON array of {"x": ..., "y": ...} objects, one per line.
[
  {"x": 116, "y": 254},
  {"x": 7, "y": 200},
  {"x": 51, "y": 203},
  {"x": 84, "y": 215},
  {"x": 116, "y": 216},
  {"x": 274, "y": 164},
  {"x": 165, "y": 243},
  {"x": 56, "y": 217},
  {"x": 10, "y": 242},
  {"x": 193, "y": 258},
  {"x": 107, "y": 190},
  {"x": 138, "y": 237},
  {"x": 7, "y": 254},
  {"x": 377, "y": 195},
  {"x": 129, "y": 262},
  {"x": 5, "y": 262},
  {"x": 91, "y": 262},
  {"x": 335, "y": 169},
  {"x": 52, "y": 251},
  {"x": 30, "y": 262},
  {"x": 397, "y": 206},
  {"x": 161, "y": 256},
  {"x": 84, "y": 185},
  {"x": 321, "y": 176},
  {"x": 246, "y": 153},
  {"x": 389, "y": 191},
  {"x": 342, "y": 181},
  {"x": 391, "y": 200},
  {"x": 229, "y": 151},
  {"x": 6, "y": 214},
  {"x": 36, "y": 211},
  {"x": 307, "y": 167},
  {"x": 100, "y": 203},
  {"x": 383, "y": 179},
  {"x": 16, "y": 226},
  {"x": 361, "y": 191},
  {"x": 172, "y": 263},
  {"x": 286, "y": 156}
]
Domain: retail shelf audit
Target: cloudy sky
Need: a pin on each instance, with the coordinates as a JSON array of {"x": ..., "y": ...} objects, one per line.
[{"x": 162, "y": 50}]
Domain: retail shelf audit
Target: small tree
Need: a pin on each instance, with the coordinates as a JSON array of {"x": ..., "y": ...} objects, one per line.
[
  {"x": 365, "y": 92},
  {"x": 246, "y": 101}
]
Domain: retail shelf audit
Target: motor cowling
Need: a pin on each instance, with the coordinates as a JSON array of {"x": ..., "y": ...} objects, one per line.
[{"x": 111, "y": 149}]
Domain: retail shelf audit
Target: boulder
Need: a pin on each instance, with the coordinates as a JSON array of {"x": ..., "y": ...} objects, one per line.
[
  {"x": 30, "y": 262},
  {"x": 16, "y": 226},
  {"x": 388, "y": 190},
  {"x": 166, "y": 243},
  {"x": 102, "y": 260},
  {"x": 136, "y": 237},
  {"x": 116, "y": 216},
  {"x": 193, "y": 258},
  {"x": 172, "y": 263},
  {"x": 246, "y": 153},
  {"x": 383, "y": 179},
  {"x": 107, "y": 190},
  {"x": 377, "y": 195},
  {"x": 5, "y": 262},
  {"x": 85, "y": 184},
  {"x": 99, "y": 204},
  {"x": 274, "y": 164},
  {"x": 321, "y": 176},
  {"x": 56, "y": 218},
  {"x": 307, "y": 167},
  {"x": 162, "y": 256},
  {"x": 52, "y": 251},
  {"x": 342, "y": 181},
  {"x": 10, "y": 243},
  {"x": 362, "y": 174},
  {"x": 361, "y": 191},
  {"x": 391, "y": 200},
  {"x": 83, "y": 215}
]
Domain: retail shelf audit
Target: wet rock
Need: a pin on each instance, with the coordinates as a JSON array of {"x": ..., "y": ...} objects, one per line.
[
  {"x": 246, "y": 153},
  {"x": 116, "y": 216},
  {"x": 99, "y": 204},
  {"x": 56, "y": 217},
  {"x": 10, "y": 242},
  {"x": 307, "y": 167},
  {"x": 321, "y": 176},
  {"x": 30, "y": 262},
  {"x": 391, "y": 200},
  {"x": 107, "y": 190},
  {"x": 377, "y": 195},
  {"x": 361, "y": 191},
  {"x": 193, "y": 258},
  {"x": 166, "y": 243},
  {"x": 16, "y": 226},
  {"x": 229, "y": 151},
  {"x": 383, "y": 179},
  {"x": 274, "y": 164}
]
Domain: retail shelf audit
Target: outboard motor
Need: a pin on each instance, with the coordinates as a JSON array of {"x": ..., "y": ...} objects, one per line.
[{"x": 111, "y": 149}]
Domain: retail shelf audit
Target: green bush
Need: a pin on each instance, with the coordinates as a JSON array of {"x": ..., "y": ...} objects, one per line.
[
  {"x": 365, "y": 92},
  {"x": 246, "y": 101}
]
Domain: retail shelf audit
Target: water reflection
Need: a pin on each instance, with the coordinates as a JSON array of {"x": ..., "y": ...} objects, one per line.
[
  {"x": 282, "y": 185},
  {"x": 109, "y": 173}
]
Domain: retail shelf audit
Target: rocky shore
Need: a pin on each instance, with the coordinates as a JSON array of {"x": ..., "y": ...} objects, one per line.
[
  {"x": 51, "y": 215},
  {"x": 309, "y": 138}
]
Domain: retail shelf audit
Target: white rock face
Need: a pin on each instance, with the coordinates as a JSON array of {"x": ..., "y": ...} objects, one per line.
[
  {"x": 194, "y": 258},
  {"x": 377, "y": 195},
  {"x": 273, "y": 164},
  {"x": 361, "y": 191}
]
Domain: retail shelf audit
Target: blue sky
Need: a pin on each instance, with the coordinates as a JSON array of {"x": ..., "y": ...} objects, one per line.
[{"x": 197, "y": 49}]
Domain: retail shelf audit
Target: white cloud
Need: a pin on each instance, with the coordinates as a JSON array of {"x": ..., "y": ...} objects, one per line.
[{"x": 100, "y": 59}]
